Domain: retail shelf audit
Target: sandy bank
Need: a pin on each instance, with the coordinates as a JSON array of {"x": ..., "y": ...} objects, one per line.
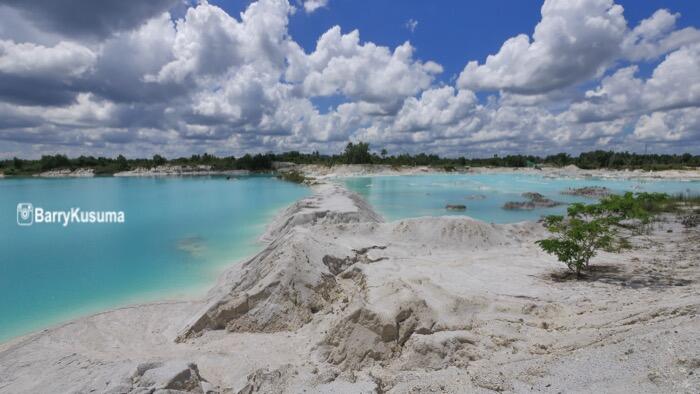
[
  {"x": 340, "y": 301},
  {"x": 350, "y": 170},
  {"x": 174, "y": 170},
  {"x": 65, "y": 173}
]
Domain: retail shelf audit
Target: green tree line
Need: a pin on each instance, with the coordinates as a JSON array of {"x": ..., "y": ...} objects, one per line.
[{"x": 354, "y": 153}]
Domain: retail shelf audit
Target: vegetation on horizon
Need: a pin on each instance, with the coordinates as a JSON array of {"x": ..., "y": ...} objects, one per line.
[
  {"x": 108, "y": 166},
  {"x": 292, "y": 176},
  {"x": 354, "y": 153}
]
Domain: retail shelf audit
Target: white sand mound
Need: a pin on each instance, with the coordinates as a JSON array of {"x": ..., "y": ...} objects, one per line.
[
  {"x": 461, "y": 232},
  {"x": 330, "y": 204},
  {"x": 349, "y": 170},
  {"x": 350, "y": 276},
  {"x": 294, "y": 278},
  {"x": 280, "y": 289},
  {"x": 287, "y": 283}
]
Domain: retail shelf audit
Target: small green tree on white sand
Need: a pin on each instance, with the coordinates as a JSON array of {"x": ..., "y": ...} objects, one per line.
[
  {"x": 588, "y": 228},
  {"x": 577, "y": 240}
]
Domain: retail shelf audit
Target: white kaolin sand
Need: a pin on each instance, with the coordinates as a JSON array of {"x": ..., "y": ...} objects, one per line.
[
  {"x": 339, "y": 301},
  {"x": 571, "y": 171}
]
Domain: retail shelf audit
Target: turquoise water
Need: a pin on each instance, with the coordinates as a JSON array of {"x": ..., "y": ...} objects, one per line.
[
  {"x": 399, "y": 197},
  {"x": 178, "y": 235}
]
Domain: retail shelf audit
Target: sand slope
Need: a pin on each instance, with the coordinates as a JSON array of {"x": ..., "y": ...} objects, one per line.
[
  {"x": 340, "y": 301},
  {"x": 571, "y": 171}
]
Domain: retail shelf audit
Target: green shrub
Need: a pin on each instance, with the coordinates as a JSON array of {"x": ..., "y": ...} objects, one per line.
[
  {"x": 577, "y": 240},
  {"x": 588, "y": 228},
  {"x": 292, "y": 176},
  {"x": 641, "y": 206},
  {"x": 357, "y": 153}
]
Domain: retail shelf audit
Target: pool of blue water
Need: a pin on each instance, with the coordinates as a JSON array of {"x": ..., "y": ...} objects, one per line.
[
  {"x": 399, "y": 197},
  {"x": 177, "y": 236}
]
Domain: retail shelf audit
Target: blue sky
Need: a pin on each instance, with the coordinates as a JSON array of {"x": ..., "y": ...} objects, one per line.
[
  {"x": 449, "y": 32},
  {"x": 177, "y": 77}
]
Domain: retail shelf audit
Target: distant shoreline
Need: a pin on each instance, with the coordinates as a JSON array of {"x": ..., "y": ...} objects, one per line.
[
  {"x": 138, "y": 172},
  {"x": 358, "y": 170},
  {"x": 354, "y": 154},
  {"x": 318, "y": 171}
]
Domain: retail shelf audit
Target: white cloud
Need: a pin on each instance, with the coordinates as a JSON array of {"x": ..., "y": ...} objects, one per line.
[
  {"x": 411, "y": 25},
  {"x": 673, "y": 126},
  {"x": 87, "y": 19},
  {"x": 575, "y": 40},
  {"x": 616, "y": 96},
  {"x": 656, "y": 36},
  {"x": 208, "y": 41},
  {"x": 674, "y": 83},
  {"x": 438, "y": 108},
  {"x": 65, "y": 59},
  {"x": 127, "y": 58},
  {"x": 313, "y": 5},
  {"x": 86, "y": 111},
  {"x": 366, "y": 72}
]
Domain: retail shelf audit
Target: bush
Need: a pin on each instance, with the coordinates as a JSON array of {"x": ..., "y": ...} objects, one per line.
[
  {"x": 357, "y": 153},
  {"x": 641, "y": 206},
  {"x": 577, "y": 240},
  {"x": 591, "y": 227},
  {"x": 159, "y": 160},
  {"x": 292, "y": 176},
  {"x": 49, "y": 162}
]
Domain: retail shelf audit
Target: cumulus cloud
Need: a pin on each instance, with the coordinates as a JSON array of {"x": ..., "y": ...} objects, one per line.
[
  {"x": 617, "y": 95},
  {"x": 439, "y": 108},
  {"x": 674, "y": 83},
  {"x": 367, "y": 72},
  {"x": 313, "y": 5},
  {"x": 35, "y": 74},
  {"x": 656, "y": 36},
  {"x": 66, "y": 59},
  {"x": 574, "y": 41},
  {"x": 672, "y": 126},
  {"x": 127, "y": 59},
  {"x": 94, "y": 19},
  {"x": 209, "y": 41}
]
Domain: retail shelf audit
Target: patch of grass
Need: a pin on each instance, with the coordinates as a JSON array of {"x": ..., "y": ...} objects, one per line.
[
  {"x": 683, "y": 202},
  {"x": 619, "y": 244}
]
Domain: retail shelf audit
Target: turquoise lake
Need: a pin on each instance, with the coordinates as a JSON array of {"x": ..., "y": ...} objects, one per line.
[
  {"x": 178, "y": 235},
  {"x": 399, "y": 197}
]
